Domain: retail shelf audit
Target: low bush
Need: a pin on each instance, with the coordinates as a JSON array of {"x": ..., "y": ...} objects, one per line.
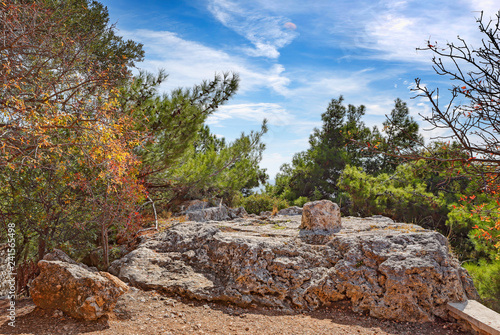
[
  {"x": 257, "y": 203},
  {"x": 486, "y": 278},
  {"x": 300, "y": 201}
]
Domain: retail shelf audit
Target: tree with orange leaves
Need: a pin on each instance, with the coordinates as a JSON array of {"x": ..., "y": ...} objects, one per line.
[{"x": 65, "y": 147}]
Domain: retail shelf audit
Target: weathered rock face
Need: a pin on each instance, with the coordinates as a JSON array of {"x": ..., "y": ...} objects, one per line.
[
  {"x": 321, "y": 215},
  {"x": 392, "y": 270},
  {"x": 294, "y": 210},
  {"x": 220, "y": 213},
  {"x": 75, "y": 290},
  {"x": 213, "y": 213},
  {"x": 237, "y": 212},
  {"x": 194, "y": 205}
]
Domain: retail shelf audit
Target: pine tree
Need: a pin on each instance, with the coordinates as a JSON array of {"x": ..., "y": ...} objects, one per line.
[
  {"x": 315, "y": 172},
  {"x": 402, "y": 134}
]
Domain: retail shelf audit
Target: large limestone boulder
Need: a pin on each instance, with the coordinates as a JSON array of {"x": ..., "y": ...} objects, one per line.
[
  {"x": 74, "y": 289},
  {"x": 321, "y": 215},
  {"x": 391, "y": 270}
]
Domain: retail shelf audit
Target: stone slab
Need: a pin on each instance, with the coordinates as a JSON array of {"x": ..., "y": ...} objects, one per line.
[
  {"x": 479, "y": 317},
  {"x": 391, "y": 270}
]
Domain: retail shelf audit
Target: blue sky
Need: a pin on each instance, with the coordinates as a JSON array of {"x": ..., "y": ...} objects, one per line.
[{"x": 294, "y": 56}]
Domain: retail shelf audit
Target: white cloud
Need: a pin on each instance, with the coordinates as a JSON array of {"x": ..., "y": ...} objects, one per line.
[
  {"x": 189, "y": 62},
  {"x": 278, "y": 82},
  {"x": 393, "y": 30},
  {"x": 316, "y": 89},
  {"x": 282, "y": 123},
  {"x": 256, "y": 112},
  {"x": 273, "y": 161},
  {"x": 380, "y": 108},
  {"x": 267, "y": 33},
  {"x": 489, "y": 7},
  {"x": 312, "y": 91}
]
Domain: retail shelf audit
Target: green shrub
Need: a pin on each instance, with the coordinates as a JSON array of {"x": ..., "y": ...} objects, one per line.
[
  {"x": 402, "y": 196},
  {"x": 257, "y": 203},
  {"x": 300, "y": 201},
  {"x": 486, "y": 278}
]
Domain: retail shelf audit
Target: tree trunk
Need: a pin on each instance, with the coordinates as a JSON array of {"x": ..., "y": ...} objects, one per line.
[
  {"x": 41, "y": 247},
  {"x": 105, "y": 246}
]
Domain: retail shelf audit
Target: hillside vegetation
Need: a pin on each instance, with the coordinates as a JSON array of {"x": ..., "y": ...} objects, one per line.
[{"x": 88, "y": 148}]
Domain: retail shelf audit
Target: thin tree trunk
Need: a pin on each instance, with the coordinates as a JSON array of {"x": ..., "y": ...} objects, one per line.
[
  {"x": 42, "y": 243},
  {"x": 105, "y": 246}
]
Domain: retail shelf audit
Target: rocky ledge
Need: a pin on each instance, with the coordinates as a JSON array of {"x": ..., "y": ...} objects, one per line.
[{"x": 391, "y": 270}]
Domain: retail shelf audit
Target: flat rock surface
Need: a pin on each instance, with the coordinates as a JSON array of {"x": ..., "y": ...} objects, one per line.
[{"x": 389, "y": 270}]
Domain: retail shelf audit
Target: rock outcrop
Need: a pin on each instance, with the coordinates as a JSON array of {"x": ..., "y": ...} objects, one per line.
[
  {"x": 294, "y": 210},
  {"x": 193, "y": 205},
  {"x": 76, "y": 290},
  {"x": 219, "y": 213},
  {"x": 238, "y": 212},
  {"x": 391, "y": 270}
]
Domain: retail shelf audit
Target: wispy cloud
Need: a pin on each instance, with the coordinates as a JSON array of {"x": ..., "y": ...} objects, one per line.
[
  {"x": 313, "y": 91},
  {"x": 189, "y": 62},
  {"x": 337, "y": 39},
  {"x": 394, "y": 30},
  {"x": 256, "y": 112},
  {"x": 282, "y": 123},
  {"x": 273, "y": 162},
  {"x": 266, "y": 32}
]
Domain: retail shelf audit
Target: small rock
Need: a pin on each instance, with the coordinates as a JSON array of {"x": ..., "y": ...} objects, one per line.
[
  {"x": 169, "y": 302},
  {"x": 237, "y": 212},
  {"x": 57, "y": 314},
  {"x": 322, "y": 215}
]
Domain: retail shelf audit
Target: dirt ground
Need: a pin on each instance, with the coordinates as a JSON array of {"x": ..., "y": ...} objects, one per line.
[{"x": 139, "y": 312}]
